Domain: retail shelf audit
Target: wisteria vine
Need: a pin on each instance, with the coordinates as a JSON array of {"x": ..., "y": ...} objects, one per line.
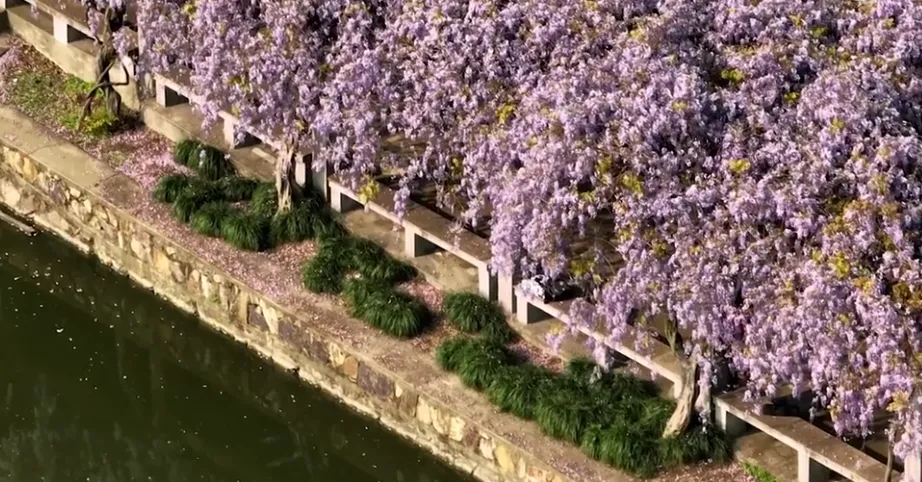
[{"x": 748, "y": 167}]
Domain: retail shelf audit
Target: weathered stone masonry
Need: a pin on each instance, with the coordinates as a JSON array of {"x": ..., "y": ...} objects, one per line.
[{"x": 60, "y": 188}]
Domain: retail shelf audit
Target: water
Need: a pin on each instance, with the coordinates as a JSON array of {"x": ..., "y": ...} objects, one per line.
[{"x": 102, "y": 381}]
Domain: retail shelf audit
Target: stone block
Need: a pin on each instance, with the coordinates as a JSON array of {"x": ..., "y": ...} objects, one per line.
[
  {"x": 350, "y": 368},
  {"x": 167, "y": 97},
  {"x": 424, "y": 412},
  {"x": 456, "y": 428},
  {"x": 407, "y": 401},
  {"x": 505, "y": 458},
  {"x": 375, "y": 383},
  {"x": 486, "y": 448},
  {"x": 256, "y": 319}
]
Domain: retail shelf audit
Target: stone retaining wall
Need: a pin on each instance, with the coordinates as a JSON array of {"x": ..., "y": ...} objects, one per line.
[{"x": 60, "y": 188}]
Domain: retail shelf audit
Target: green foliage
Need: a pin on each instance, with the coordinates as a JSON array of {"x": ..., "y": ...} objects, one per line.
[
  {"x": 323, "y": 273},
  {"x": 374, "y": 263},
  {"x": 629, "y": 448},
  {"x": 379, "y": 305},
  {"x": 194, "y": 196},
  {"x": 235, "y": 188},
  {"x": 209, "y": 218},
  {"x": 473, "y": 313},
  {"x": 245, "y": 230},
  {"x": 170, "y": 186},
  {"x": 758, "y": 473},
  {"x": 265, "y": 201},
  {"x": 477, "y": 361},
  {"x": 292, "y": 226},
  {"x": 516, "y": 389},
  {"x": 565, "y": 411},
  {"x": 697, "y": 443},
  {"x": 209, "y": 162},
  {"x": 185, "y": 151},
  {"x": 98, "y": 123}
]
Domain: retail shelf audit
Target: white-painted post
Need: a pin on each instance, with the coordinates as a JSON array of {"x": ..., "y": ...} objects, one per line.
[
  {"x": 319, "y": 178},
  {"x": 808, "y": 470},
  {"x": 485, "y": 282},
  {"x": 731, "y": 425},
  {"x": 301, "y": 166},
  {"x": 912, "y": 467},
  {"x": 505, "y": 291},
  {"x": 64, "y": 33}
]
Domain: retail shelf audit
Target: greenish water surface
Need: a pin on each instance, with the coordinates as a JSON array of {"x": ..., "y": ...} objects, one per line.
[{"x": 102, "y": 381}]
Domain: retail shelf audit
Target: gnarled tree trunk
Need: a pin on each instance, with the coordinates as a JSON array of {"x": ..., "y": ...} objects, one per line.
[
  {"x": 685, "y": 404},
  {"x": 284, "y": 175}
]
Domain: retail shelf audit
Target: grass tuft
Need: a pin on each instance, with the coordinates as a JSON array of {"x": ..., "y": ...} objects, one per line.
[
  {"x": 265, "y": 201},
  {"x": 170, "y": 186},
  {"x": 697, "y": 443},
  {"x": 630, "y": 449},
  {"x": 292, "y": 226},
  {"x": 193, "y": 197},
  {"x": 758, "y": 473},
  {"x": 323, "y": 273},
  {"x": 516, "y": 389},
  {"x": 565, "y": 411},
  {"x": 237, "y": 189},
  {"x": 244, "y": 230},
  {"x": 208, "y": 219},
  {"x": 473, "y": 313},
  {"x": 481, "y": 362},
  {"x": 208, "y": 161},
  {"x": 374, "y": 263},
  {"x": 379, "y": 305}
]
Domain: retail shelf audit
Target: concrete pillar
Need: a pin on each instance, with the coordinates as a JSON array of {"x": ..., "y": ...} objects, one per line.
[
  {"x": 319, "y": 178},
  {"x": 340, "y": 202},
  {"x": 808, "y": 470},
  {"x": 912, "y": 467},
  {"x": 64, "y": 33},
  {"x": 167, "y": 97},
  {"x": 505, "y": 293},
  {"x": 731, "y": 425},
  {"x": 486, "y": 283},
  {"x": 526, "y": 313}
]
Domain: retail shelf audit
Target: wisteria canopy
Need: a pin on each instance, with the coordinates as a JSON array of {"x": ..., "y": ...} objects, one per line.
[{"x": 748, "y": 167}]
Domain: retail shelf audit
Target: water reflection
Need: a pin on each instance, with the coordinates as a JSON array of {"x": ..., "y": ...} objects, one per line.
[{"x": 101, "y": 381}]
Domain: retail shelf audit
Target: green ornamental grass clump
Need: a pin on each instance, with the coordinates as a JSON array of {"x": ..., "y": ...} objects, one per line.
[
  {"x": 374, "y": 263},
  {"x": 245, "y": 230},
  {"x": 208, "y": 219},
  {"x": 473, "y": 313},
  {"x": 323, "y": 273},
  {"x": 379, "y": 305},
  {"x": 516, "y": 389},
  {"x": 612, "y": 417},
  {"x": 209, "y": 162},
  {"x": 237, "y": 188},
  {"x": 170, "y": 186},
  {"x": 265, "y": 201},
  {"x": 193, "y": 197}
]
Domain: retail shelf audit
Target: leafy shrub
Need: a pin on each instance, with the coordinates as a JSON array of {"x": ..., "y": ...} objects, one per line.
[
  {"x": 516, "y": 389},
  {"x": 245, "y": 230},
  {"x": 237, "y": 189},
  {"x": 450, "y": 353},
  {"x": 209, "y": 218},
  {"x": 379, "y": 305},
  {"x": 473, "y": 313},
  {"x": 265, "y": 201},
  {"x": 170, "y": 186}
]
